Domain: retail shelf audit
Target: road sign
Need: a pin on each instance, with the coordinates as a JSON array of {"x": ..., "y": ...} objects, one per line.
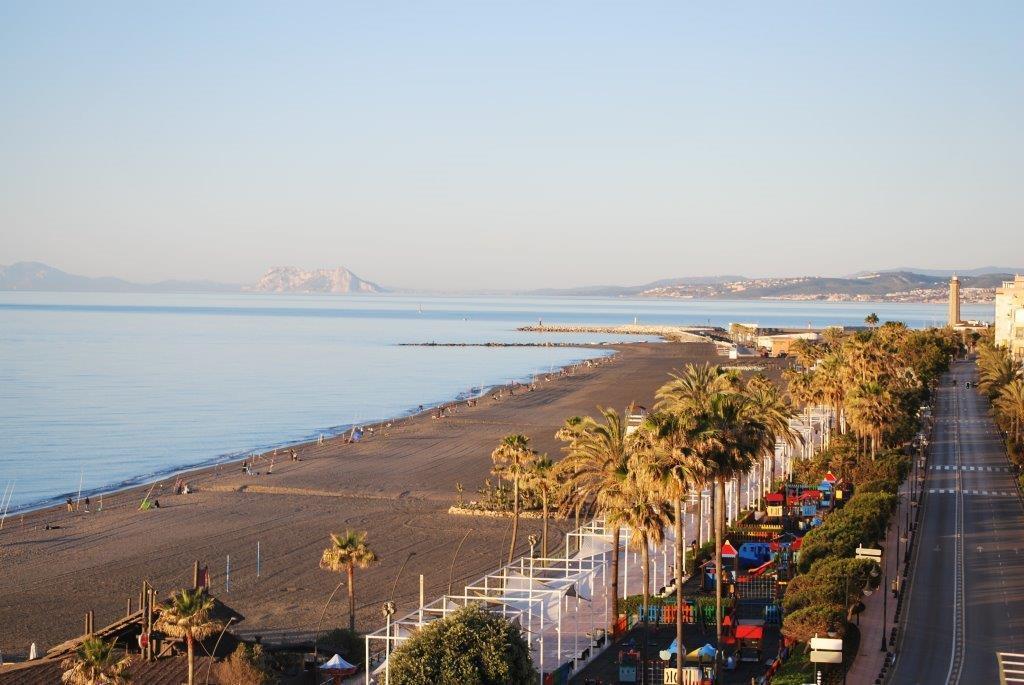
[
  {"x": 819, "y": 657},
  {"x": 869, "y": 553},
  {"x": 827, "y": 644}
]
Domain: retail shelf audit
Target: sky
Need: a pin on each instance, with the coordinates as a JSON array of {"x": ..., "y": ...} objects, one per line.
[{"x": 482, "y": 144}]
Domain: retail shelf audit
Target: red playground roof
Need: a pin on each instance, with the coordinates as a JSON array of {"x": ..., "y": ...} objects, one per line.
[
  {"x": 774, "y": 498},
  {"x": 728, "y": 550},
  {"x": 749, "y": 632}
]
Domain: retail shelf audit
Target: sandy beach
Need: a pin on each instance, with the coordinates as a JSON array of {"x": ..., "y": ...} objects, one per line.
[{"x": 396, "y": 484}]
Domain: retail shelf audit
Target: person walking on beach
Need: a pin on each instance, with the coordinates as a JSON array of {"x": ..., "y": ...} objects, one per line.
[
  {"x": 86, "y": 502},
  {"x": 71, "y": 505}
]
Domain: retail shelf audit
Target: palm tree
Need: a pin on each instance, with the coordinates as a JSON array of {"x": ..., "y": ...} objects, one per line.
[
  {"x": 674, "y": 471},
  {"x": 767, "y": 406},
  {"x": 542, "y": 479},
  {"x": 346, "y": 553},
  {"x": 1010, "y": 404},
  {"x": 871, "y": 319},
  {"x": 646, "y": 514},
  {"x": 871, "y": 411},
  {"x": 996, "y": 368},
  {"x": 595, "y": 469},
  {"x": 187, "y": 616},
  {"x": 512, "y": 459},
  {"x": 688, "y": 394},
  {"x": 96, "y": 662},
  {"x": 729, "y": 436},
  {"x": 830, "y": 377}
]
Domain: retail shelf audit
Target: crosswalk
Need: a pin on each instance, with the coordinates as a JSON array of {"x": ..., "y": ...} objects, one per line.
[
  {"x": 983, "y": 493},
  {"x": 953, "y": 467}
]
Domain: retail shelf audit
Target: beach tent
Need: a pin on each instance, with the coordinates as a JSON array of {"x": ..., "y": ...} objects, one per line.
[{"x": 337, "y": 668}]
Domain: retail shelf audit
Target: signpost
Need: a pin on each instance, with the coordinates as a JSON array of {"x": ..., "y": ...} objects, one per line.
[
  {"x": 869, "y": 553},
  {"x": 825, "y": 650}
]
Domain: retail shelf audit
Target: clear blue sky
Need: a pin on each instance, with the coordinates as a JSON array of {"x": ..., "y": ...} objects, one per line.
[{"x": 485, "y": 144}]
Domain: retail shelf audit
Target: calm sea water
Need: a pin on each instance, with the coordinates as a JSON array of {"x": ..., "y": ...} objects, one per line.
[{"x": 114, "y": 389}]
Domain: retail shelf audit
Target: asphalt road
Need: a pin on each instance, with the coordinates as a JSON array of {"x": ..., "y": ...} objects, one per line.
[{"x": 966, "y": 591}]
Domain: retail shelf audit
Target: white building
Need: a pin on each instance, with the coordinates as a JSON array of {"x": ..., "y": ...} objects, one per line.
[{"x": 1010, "y": 316}]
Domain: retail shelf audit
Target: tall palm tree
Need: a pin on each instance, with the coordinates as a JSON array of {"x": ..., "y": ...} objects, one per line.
[
  {"x": 96, "y": 662},
  {"x": 767, "y": 405},
  {"x": 646, "y": 514},
  {"x": 542, "y": 479},
  {"x": 871, "y": 319},
  {"x": 673, "y": 470},
  {"x": 729, "y": 437},
  {"x": 512, "y": 459},
  {"x": 187, "y": 616},
  {"x": 830, "y": 377},
  {"x": 347, "y": 552},
  {"x": 688, "y": 394},
  {"x": 595, "y": 468},
  {"x": 1010, "y": 404},
  {"x": 870, "y": 406}
]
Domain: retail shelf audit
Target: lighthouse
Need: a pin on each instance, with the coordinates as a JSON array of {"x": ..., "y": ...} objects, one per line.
[{"x": 954, "y": 301}]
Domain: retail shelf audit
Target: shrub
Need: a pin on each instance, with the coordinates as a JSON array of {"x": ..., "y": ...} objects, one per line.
[
  {"x": 348, "y": 643},
  {"x": 818, "y": 619},
  {"x": 247, "y": 665},
  {"x": 467, "y": 647}
]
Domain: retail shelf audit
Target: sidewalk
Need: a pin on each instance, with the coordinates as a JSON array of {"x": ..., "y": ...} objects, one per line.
[{"x": 870, "y": 657}]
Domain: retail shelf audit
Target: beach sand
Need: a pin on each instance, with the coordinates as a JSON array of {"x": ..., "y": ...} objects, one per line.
[{"x": 397, "y": 486}]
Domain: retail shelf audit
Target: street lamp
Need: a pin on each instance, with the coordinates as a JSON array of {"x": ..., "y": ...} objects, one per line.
[{"x": 451, "y": 572}]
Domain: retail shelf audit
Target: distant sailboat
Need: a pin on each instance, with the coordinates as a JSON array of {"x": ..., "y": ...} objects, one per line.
[{"x": 419, "y": 309}]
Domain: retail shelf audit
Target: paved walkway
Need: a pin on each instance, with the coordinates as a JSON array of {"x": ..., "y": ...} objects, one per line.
[{"x": 870, "y": 656}]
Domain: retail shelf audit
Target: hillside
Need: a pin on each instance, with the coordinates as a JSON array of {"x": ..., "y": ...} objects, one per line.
[
  {"x": 36, "y": 276},
  {"x": 290, "y": 279}
]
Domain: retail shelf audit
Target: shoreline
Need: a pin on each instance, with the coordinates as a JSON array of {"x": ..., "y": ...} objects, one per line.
[{"x": 332, "y": 433}]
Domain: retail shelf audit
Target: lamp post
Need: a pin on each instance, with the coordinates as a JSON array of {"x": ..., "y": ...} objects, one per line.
[
  {"x": 451, "y": 572},
  {"x": 885, "y": 606}
]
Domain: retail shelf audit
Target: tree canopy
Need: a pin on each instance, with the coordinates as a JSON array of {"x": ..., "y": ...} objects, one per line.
[{"x": 467, "y": 647}]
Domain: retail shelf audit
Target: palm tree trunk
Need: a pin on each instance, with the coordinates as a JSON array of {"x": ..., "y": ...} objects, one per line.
[
  {"x": 719, "y": 532},
  {"x": 615, "y": 579},
  {"x": 645, "y": 559},
  {"x": 679, "y": 582},
  {"x": 351, "y": 597},
  {"x": 515, "y": 518},
  {"x": 191, "y": 660},
  {"x": 544, "y": 525}
]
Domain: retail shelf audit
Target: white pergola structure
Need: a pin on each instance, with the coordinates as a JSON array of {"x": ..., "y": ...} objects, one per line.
[{"x": 561, "y": 603}]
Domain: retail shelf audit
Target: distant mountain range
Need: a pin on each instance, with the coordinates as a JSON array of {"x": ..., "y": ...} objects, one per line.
[
  {"x": 39, "y": 276},
  {"x": 977, "y": 285},
  {"x": 42, "y": 277}
]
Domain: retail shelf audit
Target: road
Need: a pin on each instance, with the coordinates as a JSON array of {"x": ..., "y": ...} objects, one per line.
[{"x": 966, "y": 591}]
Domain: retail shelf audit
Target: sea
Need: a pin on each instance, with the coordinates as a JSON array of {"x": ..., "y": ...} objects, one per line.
[{"x": 100, "y": 391}]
